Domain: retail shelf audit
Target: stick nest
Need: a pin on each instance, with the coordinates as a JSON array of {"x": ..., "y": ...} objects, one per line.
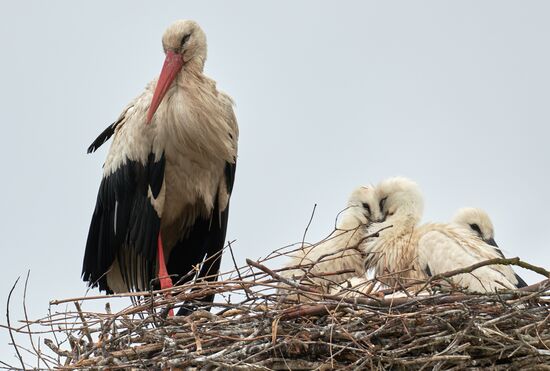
[{"x": 252, "y": 327}]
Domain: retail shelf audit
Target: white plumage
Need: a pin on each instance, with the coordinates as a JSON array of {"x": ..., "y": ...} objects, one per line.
[
  {"x": 411, "y": 252},
  {"x": 339, "y": 251},
  {"x": 477, "y": 221},
  {"x": 394, "y": 251}
]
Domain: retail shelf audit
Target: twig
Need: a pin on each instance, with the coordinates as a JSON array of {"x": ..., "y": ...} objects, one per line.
[
  {"x": 264, "y": 329},
  {"x": 308, "y": 224},
  {"x": 37, "y": 351},
  {"x": 281, "y": 278},
  {"x": 85, "y": 327},
  {"x": 9, "y": 325},
  {"x": 247, "y": 291}
]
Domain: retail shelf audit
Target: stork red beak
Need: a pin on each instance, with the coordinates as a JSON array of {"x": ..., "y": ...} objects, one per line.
[{"x": 172, "y": 66}]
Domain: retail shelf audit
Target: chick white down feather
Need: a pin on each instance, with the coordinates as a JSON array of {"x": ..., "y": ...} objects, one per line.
[{"x": 337, "y": 257}]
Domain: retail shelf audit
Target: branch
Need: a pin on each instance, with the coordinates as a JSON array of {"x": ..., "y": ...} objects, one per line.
[
  {"x": 308, "y": 224},
  {"x": 9, "y": 325},
  {"x": 473, "y": 267},
  {"x": 496, "y": 261},
  {"x": 281, "y": 278},
  {"x": 37, "y": 351}
]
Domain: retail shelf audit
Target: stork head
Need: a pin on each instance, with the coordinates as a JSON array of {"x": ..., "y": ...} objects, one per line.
[
  {"x": 478, "y": 222},
  {"x": 184, "y": 43},
  {"x": 400, "y": 197},
  {"x": 363, "y": 206}
]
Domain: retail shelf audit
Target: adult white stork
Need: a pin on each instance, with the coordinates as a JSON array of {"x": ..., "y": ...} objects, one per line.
[
  {"x": 412, "y": 252},
  {"x": 339, "y": 251},
  {"x": 167, "y": 178}
]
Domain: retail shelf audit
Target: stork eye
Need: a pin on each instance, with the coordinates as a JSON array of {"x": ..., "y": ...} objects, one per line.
[
  {"x": 184, "y": 39},
  {"x": 366, "y": 207},
  {"x": 382, "y": 203},
  {"x": 476, "y": 228}
]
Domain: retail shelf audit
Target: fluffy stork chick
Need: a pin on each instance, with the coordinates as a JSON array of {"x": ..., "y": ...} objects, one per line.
[
  {"x": 394, "y": 251},
  {"x": 339, "y": 251},
  {"x": 167, "y": 178},
  {"x": 478, "y": 222},
  {"x": 410, "y": 252}
]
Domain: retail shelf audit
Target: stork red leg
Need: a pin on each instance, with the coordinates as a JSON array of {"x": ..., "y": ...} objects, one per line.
[{"x": 163, "y": 276}]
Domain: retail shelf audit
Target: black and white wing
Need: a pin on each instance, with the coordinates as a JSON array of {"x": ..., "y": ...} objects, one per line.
[{"x": 121, "y": 247}]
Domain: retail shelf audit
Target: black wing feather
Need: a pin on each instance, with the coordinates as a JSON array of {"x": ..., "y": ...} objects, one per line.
[
  {"x": 108, "y": 132},
  {"x": 213, "y": 258},
  {"x": 202, "y": 245},
  {"x": 125, "y": 225},
  {"x": 156, "y": 174},
  {"x": 428, "y": 271},
  {"x": 103, "y": 137},
  {"x": 229, "y": 173},
  {"x": 521, "y": 283}
]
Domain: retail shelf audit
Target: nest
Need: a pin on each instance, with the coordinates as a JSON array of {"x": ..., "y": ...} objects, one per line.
[{"x": 253, "y": 327}]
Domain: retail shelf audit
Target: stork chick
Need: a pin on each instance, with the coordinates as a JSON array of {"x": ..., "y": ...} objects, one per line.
[
  {"x": 339, "y": 251},
  {"x": 394, "y": 252},
  {"x": 167, "y": 178},
  {"x": 478, "y": 222},
  {"x": 409, "y": 252}
]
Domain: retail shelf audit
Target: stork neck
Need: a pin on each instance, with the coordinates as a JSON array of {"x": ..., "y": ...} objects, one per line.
[{"x": 191, "y": 70}]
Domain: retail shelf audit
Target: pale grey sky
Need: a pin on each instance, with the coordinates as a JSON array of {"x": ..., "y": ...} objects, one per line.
[{"x": 329, "y": 95}]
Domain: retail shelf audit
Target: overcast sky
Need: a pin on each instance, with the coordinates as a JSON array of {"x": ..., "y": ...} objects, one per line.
[{"x": 329, "y": 95}]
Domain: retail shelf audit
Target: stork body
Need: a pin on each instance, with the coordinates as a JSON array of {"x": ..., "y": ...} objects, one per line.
[
  {"x": 168, "y": 176},
  {"x": 443, "y": 248},
  {"x": 393, "y": 253},
  {"x": 410, "y": 252},
  {"x": 339, "y": 251}
]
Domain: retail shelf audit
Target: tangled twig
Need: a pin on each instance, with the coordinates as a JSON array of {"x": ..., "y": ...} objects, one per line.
[{"x": 259, "y": 329}]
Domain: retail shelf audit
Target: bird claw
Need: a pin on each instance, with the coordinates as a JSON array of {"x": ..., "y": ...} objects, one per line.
[{"x": 166, "y": 283}]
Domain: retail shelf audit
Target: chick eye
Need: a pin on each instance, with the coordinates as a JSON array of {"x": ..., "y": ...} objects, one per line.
[
  {"x": 382, "y": 203},
  {"x": 184, "y": 39},
  {"x": 366, "y": 207},
  {"x": 476, "y": 228}
]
